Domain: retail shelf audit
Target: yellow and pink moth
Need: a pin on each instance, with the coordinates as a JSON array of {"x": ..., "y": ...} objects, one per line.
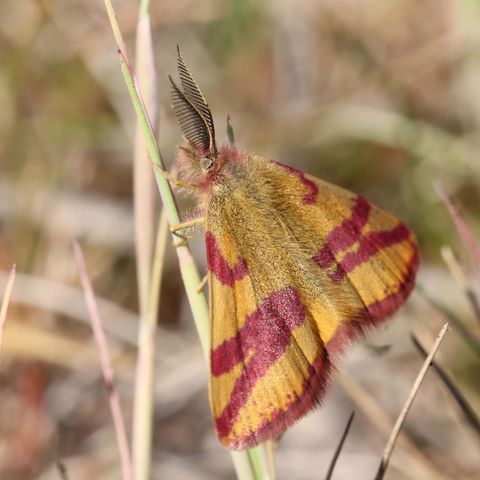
[{"x": 297, "y": 268}]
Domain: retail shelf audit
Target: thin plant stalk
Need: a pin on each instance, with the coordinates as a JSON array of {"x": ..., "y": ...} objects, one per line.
[
  {"x": 6, "y": 301},
  {"x": 145, "y": 375},
  {"x": 144, "y": 199},
  {"x": 144, "y": 195},
  {"x": 107, "y": 370},
  {"x": 188, "y": 269},
  {"x": 333, "y": 462},
  {"x": 408, "y": 403}
]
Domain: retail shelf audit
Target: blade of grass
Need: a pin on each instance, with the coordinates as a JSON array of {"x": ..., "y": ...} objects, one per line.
[
  {"x": 5, "y": 302},
  {"x": 333, "y": 462},
  {"x": 188, "y": 269},
  {"x": 406, "y": 407},
  {"x": 467, "y": 410},
  {"x": 118, "y": 421}
]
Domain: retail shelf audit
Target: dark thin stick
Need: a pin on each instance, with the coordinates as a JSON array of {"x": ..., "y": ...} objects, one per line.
[
  {"x": 463, "y": 230},
  {"x": 387, "y": 453},
  {"x": 333, "y": 462},
  {"x": 467, "y": 410}
]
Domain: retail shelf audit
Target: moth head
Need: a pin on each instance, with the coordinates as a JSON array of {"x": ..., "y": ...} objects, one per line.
[{"x": 195, "y": 118}]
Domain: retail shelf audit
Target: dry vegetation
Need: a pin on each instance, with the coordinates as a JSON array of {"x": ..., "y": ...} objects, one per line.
[{"x": 379, "y": 97}]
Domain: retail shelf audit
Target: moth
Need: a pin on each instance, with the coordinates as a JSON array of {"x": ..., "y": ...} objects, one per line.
[{"x": 297, "y": 269}]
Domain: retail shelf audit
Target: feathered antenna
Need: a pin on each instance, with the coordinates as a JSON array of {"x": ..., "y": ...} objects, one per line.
[{"x": 192, "y": 110}]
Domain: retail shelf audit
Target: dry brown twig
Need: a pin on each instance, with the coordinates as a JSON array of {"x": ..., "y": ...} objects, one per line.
[
  {"x": 406, "y": 407},
  {"x": 119, "y": 423}
]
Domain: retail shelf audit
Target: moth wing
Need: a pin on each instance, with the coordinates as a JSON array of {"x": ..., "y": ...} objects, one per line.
[
  {"x": 297, "y": 268},
  {"x": 364, "y": 250},
  {"x": 268, "y": 365}
]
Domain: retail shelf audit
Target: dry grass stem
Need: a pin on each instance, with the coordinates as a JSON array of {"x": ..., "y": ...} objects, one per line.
[
  {"x": 406, "y": 407},
  {"x": 145, "y": 374},
  {"x": 144, "y": 199},
  {"x": 367, "y": 404},
  {"x": 333, "y": 462},
  {"x": 119, "y": 423},
  {"x": 144, "y": 195},
  {"x": 5, "y": 302}
]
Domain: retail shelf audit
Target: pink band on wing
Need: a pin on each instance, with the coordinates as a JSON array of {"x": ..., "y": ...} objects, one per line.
[
  {"x": 310, "y": 197},
  {"x": 262, "y": 339},
  {"x": 345, "y": 235},
  {"x": 218, "y": 265},
  {"x": 369, "y": 246}
]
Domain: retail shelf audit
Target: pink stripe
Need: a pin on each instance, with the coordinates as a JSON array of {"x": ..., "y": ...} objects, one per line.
[
  {"x": 369, "y": 246},
  {"x": 218, "y": 265},
  {"x": 265, "y": 335},
  {"x": 313, "y": 389},
  {"x": 345, "y": 235},
  {"x": 375, "y": 313},
  {"x": 310, "y": 197}
]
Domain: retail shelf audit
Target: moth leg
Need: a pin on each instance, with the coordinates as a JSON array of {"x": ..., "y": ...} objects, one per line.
[
  {"x": 184, "y": 225},
  {"x": 176, "y": 182},
  {"x": 182, "y": 184},
  {"x": 187, "y": 224},
  {"x": 202, "y": 283}
]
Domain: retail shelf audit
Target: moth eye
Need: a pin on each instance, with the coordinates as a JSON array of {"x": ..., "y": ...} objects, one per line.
[{"x": 206, "y": 163}]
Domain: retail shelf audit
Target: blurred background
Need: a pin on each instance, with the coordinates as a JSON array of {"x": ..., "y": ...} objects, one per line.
[{"x": 378, "y": 97}]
